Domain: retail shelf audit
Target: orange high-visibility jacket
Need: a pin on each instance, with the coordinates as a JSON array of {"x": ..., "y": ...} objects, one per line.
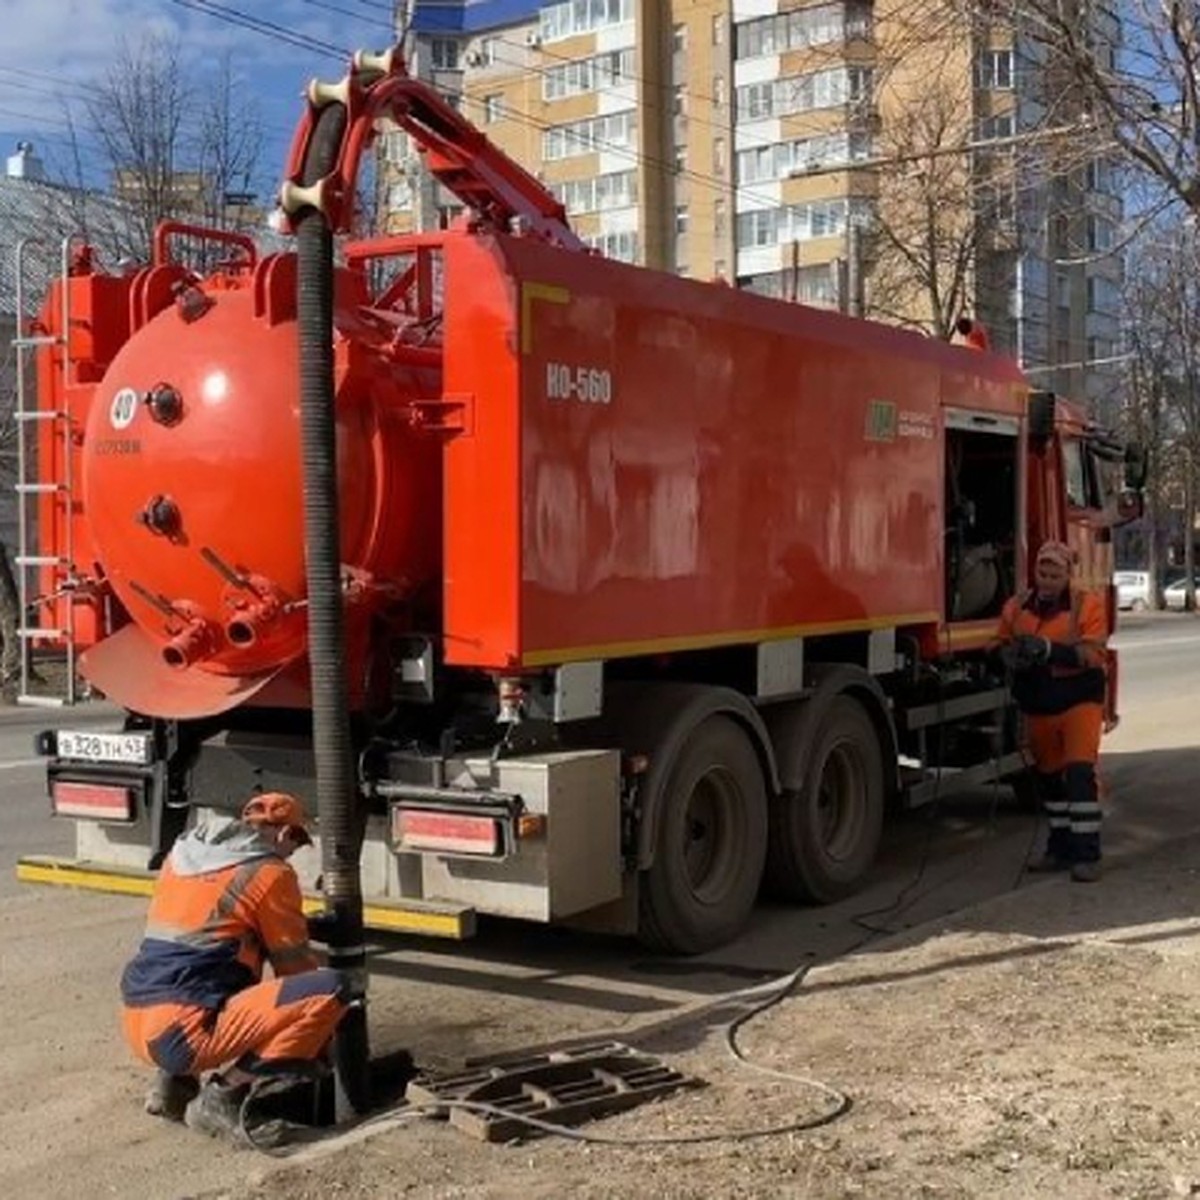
[
  {"x": 1076, "y": 621},
  {"x": 225, "y": 903}
]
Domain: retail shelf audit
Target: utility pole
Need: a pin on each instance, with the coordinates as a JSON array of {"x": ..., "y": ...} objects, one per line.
[{"x": 855, "y": 298}]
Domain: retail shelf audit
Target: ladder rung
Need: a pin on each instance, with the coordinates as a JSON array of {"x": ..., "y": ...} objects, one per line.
[
  {"x": 41, "y": 701},
  {"x": 40, "y": 560},
  {"x": 47, "y": 339},
  {"x": 35, "y": 632},
  {"x": 38, "y": 489},
  {"x": 41, "y": 414}
]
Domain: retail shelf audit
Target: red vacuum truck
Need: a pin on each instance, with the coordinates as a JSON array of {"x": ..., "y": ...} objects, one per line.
[{"x": 656, "y": 593}]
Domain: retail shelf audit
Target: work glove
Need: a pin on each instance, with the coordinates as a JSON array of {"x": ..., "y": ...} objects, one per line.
[
  {"x": 1025, "y": 652},
  {"x": 320, "y": 926}
]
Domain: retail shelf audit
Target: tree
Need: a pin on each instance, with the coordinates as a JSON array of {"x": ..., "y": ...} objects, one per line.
[
  {"x": 1163, "y": 410},
  {"x": 1143, "y": 96},
  {"x": 923, "y": 243},
  {"x": 139, "y": 112},
  {"x": 230, "y": 146}
]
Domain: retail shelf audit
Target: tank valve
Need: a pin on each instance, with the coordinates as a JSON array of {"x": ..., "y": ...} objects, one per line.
[
  {"x": 165, "y": 404},
  {"x": 161, "y": 516},
  {"x": 252, "y": 621},
  {"x": 191, "y": 645}
]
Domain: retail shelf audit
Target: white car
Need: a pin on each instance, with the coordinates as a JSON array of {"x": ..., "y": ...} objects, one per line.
[
  {"x": 1133, "y": 590},
  {"x": 1173, "y": 594}
]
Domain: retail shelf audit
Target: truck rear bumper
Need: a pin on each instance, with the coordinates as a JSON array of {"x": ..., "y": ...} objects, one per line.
[{"x": 427, "y": 918}]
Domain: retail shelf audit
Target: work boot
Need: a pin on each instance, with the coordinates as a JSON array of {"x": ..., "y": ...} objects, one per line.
[
  {"x": 1086, "y": 872},
  {"x": 1047, "y": 864},
  {"x": 170, "y": 1095},
  {"x": 217, "y": 1109}
]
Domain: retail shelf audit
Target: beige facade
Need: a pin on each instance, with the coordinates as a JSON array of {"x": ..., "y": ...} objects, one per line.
[{"x": 743, "y": 140}]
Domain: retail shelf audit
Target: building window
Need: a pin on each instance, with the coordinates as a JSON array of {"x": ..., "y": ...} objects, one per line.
[
  {"x": 719, "y": 218},
  {"x": 782, "y": 160},
  {"x": 679, "y": 100},
  {"x": 443, "y": 53},
  {"x": 817, "y": 25},
  {"x": 830, "y": 88},
  {"x": 800, "y": 222},
  {"x": 1100, "y": 234},
  {"x": 621, "y": 246},
  {"x": 994, "y": 69},
  {"x": 718, "y": 91},
  {"x": 719, "y": 164},
  {"x": 679, "y": 39},
  {"x": 718, "y": 30},
  {"x": 599, "y": 193},
  {"x": 680, "y": 157},
  {"x": 991, "y": 128},
  {"x": 1103, "y": 296},
  {"x": 582, "y": 16},
  {"x": 815, "y": 284},
  {"x": 588, "y": 74},
  {"x": 615, "y": 131},
  {"x": 681, "y": 218}
]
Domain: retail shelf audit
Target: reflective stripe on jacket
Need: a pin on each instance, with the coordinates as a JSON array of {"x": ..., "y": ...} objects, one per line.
[{"x": 208, "y": 935}]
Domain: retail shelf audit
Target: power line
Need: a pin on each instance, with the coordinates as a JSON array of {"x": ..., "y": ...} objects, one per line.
[
  {"x": 279, "y": 33},
  {"x": 345, "y": 12}
]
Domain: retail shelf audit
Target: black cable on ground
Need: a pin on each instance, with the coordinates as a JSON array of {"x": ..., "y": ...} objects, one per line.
[{"x": 777, "y": 990}]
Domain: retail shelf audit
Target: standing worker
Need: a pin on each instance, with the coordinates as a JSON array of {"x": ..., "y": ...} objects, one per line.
[
  {"x": 1053, "y": 640},
  {"x": 227, "y": 900}
]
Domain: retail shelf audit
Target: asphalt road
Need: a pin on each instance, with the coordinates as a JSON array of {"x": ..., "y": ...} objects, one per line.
[
  {"x": 935, "y": 860},
  {"x": 71, "y": 1112}
]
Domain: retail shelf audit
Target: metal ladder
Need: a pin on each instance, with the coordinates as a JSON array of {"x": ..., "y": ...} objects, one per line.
[{"x": 28, "y": 490}]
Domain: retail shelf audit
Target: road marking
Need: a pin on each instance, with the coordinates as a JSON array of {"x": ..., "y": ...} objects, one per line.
[{"x": 21, "y": 762}]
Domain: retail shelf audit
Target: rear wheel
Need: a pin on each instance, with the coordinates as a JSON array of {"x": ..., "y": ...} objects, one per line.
[
  {"x": 824, "y": 837},
  {"x": 709, "y": 845}
]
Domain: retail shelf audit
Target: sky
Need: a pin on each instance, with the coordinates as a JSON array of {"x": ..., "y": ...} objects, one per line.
[{"x": 50, "y": 51}]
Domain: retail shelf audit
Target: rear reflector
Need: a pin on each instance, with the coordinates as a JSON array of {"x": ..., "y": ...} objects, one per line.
[
  {"x": 98, "y": 801},
  {"x": 447, "y": 833}
]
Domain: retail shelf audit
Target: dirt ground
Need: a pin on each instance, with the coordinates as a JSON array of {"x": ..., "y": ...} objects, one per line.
[{"x": 1044, "y": 1043}]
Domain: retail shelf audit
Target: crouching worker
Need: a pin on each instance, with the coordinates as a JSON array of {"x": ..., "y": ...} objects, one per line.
[
  {"x": 226, "y": 902},
  {"x": 1052, "y": 640}
]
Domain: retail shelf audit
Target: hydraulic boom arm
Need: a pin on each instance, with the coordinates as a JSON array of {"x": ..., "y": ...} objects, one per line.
[{"x": 502, "y": 195}]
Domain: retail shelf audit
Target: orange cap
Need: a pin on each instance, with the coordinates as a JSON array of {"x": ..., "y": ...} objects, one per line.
[{"x": 280, "y": 809}]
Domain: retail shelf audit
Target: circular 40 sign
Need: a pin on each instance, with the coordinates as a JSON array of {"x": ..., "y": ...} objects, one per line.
[{"x": 123, "y": 408}]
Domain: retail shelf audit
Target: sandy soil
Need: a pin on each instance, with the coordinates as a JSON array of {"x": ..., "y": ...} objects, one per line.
[{"x": 1046, "y": 1043}]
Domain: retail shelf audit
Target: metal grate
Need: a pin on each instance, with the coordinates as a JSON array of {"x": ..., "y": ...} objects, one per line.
[{"x": 564, "y": 1087}]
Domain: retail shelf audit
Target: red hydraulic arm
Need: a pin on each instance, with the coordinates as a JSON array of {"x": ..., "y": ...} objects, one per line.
[{"x": 502, "y": 195}]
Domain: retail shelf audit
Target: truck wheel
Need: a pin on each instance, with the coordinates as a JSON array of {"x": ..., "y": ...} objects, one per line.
[
  {"x": 824, "y": 837},
  {"x": 710, "y": 843}
]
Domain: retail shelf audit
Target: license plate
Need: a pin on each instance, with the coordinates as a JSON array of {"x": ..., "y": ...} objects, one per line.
[{"x": 104, "y": 747}]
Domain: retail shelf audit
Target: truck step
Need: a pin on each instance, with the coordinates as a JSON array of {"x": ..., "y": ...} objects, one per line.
[{"x": 563, "y": 1087}]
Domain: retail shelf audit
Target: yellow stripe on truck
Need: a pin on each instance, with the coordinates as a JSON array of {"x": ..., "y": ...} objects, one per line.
[{"x": 427, "y": 920}]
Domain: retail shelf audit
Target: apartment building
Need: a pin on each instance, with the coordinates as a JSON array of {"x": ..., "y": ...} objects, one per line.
[{"x": 770, "y": 143}]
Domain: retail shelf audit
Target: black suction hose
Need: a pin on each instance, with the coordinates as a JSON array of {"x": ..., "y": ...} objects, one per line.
[{"x": 338, "y": 807}]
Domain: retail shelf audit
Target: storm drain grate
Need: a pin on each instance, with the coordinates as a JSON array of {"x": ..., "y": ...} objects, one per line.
[{"x": 564, "y": 1087}]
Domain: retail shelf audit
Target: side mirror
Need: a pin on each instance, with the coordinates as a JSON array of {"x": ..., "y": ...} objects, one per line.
[{"x": 1135, "y": 466}]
